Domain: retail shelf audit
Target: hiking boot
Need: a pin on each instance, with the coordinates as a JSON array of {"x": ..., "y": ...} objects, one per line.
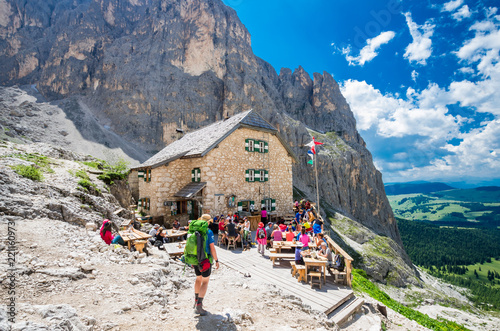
[{"x": 199, "y": 310}]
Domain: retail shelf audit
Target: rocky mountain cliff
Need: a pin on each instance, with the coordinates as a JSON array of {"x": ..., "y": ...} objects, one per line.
[{"x": 146, "y": 67}]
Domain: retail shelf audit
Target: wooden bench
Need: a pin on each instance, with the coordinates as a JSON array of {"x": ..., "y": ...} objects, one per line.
[
  {"x": 280, "y": 256},
  {"x": 347, "y": 259},
  {"x": 139, "y": 245},
  {"x": 339, "y": 276},
  {"x": 294, "y": 268},
  {"x": 301, "y": 271}
]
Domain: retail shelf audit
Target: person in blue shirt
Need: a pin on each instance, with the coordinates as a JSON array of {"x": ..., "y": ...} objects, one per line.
[
  {"x": 318, "y": 226},
  {"x": 202, "y": 277},
  {"x": 298, "y": 217}
]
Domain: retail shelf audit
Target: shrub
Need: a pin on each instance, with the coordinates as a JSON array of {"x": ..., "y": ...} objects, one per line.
[
  {"x": 30, "y": 172},
  {"x": 361, "y": 283},
  {"x": 114, "y": 172},
  {"x": 89, "y": 186},
  {"x": 41, "y": 162}
]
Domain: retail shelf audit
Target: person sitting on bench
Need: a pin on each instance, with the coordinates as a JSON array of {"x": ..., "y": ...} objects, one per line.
[
  {"x": 326, "y": 252},
  {"x": 300, "y": 253},
  {"x": 231, "y": 230}
]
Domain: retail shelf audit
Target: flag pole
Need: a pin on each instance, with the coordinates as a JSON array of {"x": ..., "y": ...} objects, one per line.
[{"x": 317, "y": 187}]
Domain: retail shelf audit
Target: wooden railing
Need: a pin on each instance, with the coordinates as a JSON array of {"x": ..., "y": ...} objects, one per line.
[{"x": 347, "y": 258}]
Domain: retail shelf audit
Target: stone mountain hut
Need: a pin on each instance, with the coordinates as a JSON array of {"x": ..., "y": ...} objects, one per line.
[{"x": 228, "y": 166}]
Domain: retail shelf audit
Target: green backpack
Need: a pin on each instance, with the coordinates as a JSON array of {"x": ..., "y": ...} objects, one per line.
[{"x": 194, "y": 252}]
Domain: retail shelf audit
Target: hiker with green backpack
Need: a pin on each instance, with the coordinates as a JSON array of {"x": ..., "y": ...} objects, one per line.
[{"x": 200, "y": 253}]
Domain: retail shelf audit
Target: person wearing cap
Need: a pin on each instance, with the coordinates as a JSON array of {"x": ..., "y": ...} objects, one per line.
[
  {"x": 326, "y": 252},
  {"x": 152, "y": 233},
  {"x": 261, "y": 238},
  {"x": 154, "y": 229},
  {"x": 202, "y": 278}
]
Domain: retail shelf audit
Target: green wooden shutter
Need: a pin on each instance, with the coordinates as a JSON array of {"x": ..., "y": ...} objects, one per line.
[
  {"x": 262, "y": 203},
  {"x": 273, "y": 204},
  {"x": 252, "y": 172},
  {"x": 256, "y": 175},
  {"x": 240, "y": 206},
  {"x": 266, "y": 175},
  {"x": 246, "y": 144},
  {"x": 247, "y": 175},
  {"x": 266, "y": 147},
  {"x": 140, "y": 173},
  {"x": 196, "y": 175},
  {"x": 257, "y": 146}
]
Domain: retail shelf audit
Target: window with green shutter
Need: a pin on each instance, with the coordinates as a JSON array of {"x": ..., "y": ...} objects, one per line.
[
  {"x": 250, "y": 175},
  {"x": 249, "y": 145},
  {"x": 262, "y": 146},
  {"x": 144, "y": 203},
  {"x": 263, "y": 175},
  {"x": 240, "y": 206},
  {"x": 257, "y": 146},
  {"x": 270, "y": 204},
  {"x": 140, "y": 173},
  {"x": 147, "y": 175},
  {"x": 196, "y": 175},
  {"x": 252, "y": 145}
]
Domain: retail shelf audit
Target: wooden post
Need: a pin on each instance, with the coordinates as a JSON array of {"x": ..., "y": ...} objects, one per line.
[
  {"x": 348, "y": 271},
  {"x": 317, "y": 187}
]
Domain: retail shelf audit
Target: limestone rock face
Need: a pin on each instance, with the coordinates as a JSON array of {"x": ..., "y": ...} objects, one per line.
[{"x": 147, "y": 67}]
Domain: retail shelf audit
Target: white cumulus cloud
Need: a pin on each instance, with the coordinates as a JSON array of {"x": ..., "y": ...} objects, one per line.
[
  {"x": 452, "y": 5},
  {"x": 369, "y": 52},
  {"x": 462, "y": 13},
  {"x": 420, "y": 48},
  {"x": 423, "y": 114}
]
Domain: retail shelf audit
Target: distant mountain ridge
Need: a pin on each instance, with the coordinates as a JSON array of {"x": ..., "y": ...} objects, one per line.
[{"x": 416, "y": 187}]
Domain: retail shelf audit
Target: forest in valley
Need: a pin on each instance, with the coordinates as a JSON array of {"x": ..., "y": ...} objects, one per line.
[{"x": 468, "y": 257}]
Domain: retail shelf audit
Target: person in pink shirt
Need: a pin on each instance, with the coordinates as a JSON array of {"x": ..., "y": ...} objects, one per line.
[
  {"x": 261, "y": 238},
  {"x": 263, "y": 215},
  {"x": 304, "y": 238}
]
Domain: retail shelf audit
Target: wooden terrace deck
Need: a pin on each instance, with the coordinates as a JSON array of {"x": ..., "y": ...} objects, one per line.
[{"x": 327, "y": 299}]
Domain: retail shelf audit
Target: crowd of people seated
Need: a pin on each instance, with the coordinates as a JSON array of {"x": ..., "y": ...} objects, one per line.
[{"x": 306, "y": 227}]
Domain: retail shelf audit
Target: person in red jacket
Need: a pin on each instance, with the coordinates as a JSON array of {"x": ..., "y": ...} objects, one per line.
[{"x": 106, "y": 234}]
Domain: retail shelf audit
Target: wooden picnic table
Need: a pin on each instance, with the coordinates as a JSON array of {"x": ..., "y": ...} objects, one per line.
[
  {"x": 290, "y": 244},
  {"x": 174, "y": 234},
  {"x": 132, "y": 235},
  {"x": 318, "y": 262},
  {"x": 175, "y": 249}
]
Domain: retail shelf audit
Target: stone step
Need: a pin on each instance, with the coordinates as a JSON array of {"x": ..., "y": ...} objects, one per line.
[{"x": 346, "y": 310}]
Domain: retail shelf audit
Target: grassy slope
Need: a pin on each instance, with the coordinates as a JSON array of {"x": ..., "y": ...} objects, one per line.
[
  {"x": 493, "y": 266},
  {"x": 363, "y": 284},
  {"x": 433, "y": 209}
]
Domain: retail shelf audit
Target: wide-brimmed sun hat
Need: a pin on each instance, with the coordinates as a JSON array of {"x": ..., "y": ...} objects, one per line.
[
  {"x": 206, "y": 217},
  {"x": 261, "y": 225}
]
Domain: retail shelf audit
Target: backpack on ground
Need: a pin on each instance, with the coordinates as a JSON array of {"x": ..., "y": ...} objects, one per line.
[
  {"x": 194, "y": 252},
  {"x": 338, "y": 262},
  {"x": 261, "y": 234}
]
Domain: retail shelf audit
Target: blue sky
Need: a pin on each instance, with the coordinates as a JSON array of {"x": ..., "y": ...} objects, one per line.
[{"x": 422, "y": 77}]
